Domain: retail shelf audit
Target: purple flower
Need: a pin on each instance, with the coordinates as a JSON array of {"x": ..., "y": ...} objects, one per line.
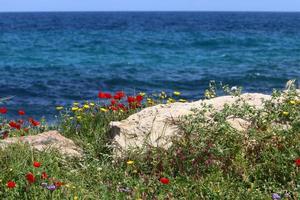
[
  {"x": 276, "y": 196},
  {"x": 51, "y": 187}
]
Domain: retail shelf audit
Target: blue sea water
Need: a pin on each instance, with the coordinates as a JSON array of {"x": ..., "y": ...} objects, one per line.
[{"x": 49, "y": 59}]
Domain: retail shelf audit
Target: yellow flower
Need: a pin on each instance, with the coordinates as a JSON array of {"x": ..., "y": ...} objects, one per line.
[
  {"x": 67, "y": 185},
  {"x": 71, "y": 118},
  {"x": 80, "y": 110},
  {"x": 92, "y": 104},
  {"x": 76, "y": 198},
  {"x": 142, "y": 93},
  {"x": 103, "y": 109},
  {"x": 59, "y": 108},
  {"x": 79, "y": 117},
  {"x": 130, "y": 162},
  {"x": 182, "y": 100},
  {"x": 75, "y": 108},
  {"x": 176, "y": 93},
  {"x": 170, "y": 100},
  {"x": 285, "y": 113},
  {"x": 86, "y": 106},
  {"x": 163, "y": 95},
  {"x": 75, "y": 104},
  {"x": 293, "y": 102}
]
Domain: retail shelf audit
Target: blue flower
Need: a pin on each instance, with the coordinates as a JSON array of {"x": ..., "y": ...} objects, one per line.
[{"x": 276, "y": 196}]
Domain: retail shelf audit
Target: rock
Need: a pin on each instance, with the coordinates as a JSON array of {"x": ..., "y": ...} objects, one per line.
[
  {"x": 155, "y": 125},
  {"x": 239, "y": 124},
  {"x": 45, "y": 141}
]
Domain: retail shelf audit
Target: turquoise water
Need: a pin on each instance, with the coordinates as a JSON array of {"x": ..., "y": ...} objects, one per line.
[{"x": 49, "y": 59}]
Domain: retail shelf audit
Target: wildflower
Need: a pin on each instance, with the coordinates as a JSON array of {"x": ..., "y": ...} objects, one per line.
[
  {"x": 51, "y": 187},
  {"x": 285, "y": 113},
  {"x": 75, "y": 108},
  {"x": 276, "y": 196},
  {"x": 30, "y": 177},
  {"x": 182, "y": 100},
  {"x": 164, "y": 180},
  {"x": 79, "y": 117},
  {"x": 71, "y": 118},
  {"x": 113, "y": 102},
  {"x": 21, "y": 112},
  {"x": 142, "y": 93},
  {"x": 11, "y": 184},
  {"x": 34, "y": 122},
  {"x": 163, "y": 95},
  {"x": 44, "y": 175},
  {"x": 113, "y": 108},
  {"x": 80, "y": 110},
  {"x": 130, "y": 162},
  {"x": 86, "y": 106},
  {"x": 297, "y": 162},
  {"x": 119, "y": 95},
  {"x": 176, "y": 93},
  {"x": 92, "y": 104},
  {"x": 36, "y": 164},
  {"x": 75, "y": 104},
  {"x": 103, "y": 95},
  {"x": 15, "y": 125},
  {"x": 130, "y": 99},
  {"x": 75, "y": 198},
  {"x": 170, "y": 100},
  {"x": 20, "y": 121},
  {"x": 139, "y": 98},
  {"x": 103, "y": 109},
  {"x": 58, "y": 184},
  {"x": 292, "y": 102},
  {"x": 44, "y": 184},
  {"x": 59, "y": 108},
  {"x": 3, "y": 110}
]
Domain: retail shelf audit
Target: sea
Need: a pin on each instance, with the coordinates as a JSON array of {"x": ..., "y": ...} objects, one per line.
[{"x": 56, "y": 58}]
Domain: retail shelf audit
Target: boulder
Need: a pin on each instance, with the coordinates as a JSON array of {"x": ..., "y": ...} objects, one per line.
[
  {"x": 156, "y": 125},
  {"x": 45, "y": 141}
]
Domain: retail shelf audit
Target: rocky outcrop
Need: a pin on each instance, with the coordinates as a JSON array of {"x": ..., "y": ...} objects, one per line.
[
  {"x": 51, "y": 140},
  {"x": 155, "y": 125}
]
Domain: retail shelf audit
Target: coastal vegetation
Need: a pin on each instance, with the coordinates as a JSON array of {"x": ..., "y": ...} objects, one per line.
[{"x": 211, "y": 160}]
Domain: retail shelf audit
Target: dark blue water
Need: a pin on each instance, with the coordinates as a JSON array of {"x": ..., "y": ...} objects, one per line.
[{"x": 48, "y": 59}]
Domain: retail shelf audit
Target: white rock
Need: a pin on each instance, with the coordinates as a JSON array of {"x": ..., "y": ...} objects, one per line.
[
  {"x": 154, "y": 125},
  {"x": 46, "y": 141}
]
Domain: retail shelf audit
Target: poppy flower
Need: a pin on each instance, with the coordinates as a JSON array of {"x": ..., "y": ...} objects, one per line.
[
  {"x": 130, "y": 99},
  {"x": 15, "y": 125},
  {"x": 113, "y": 102},
  {"x": 20, "y": 121},
  {"x": 119, "y": 95},
  {"x": 103, "y": 95},
  {"x": 34, "y": 122},
  {"x": 44, "y": 175},
  {"x": 164, "y": 180},
  {"x": 51, "y": 187},
  {"x": 114, "y": 108},
  {"x": 11, "y": 184},
  {"x": 58, "y": 184},
  {"x": 21, "y": 112},
  {"x": 30, "y": 177},
  {"x": 36, "y": 164},
  {"x": 3, "y": 110},
  {"x": 139, "y": 98},
  {"x": 297, "y": 162}
]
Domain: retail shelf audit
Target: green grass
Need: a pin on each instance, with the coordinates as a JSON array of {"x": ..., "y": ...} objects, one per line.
[{"x": 211, "y": 161}]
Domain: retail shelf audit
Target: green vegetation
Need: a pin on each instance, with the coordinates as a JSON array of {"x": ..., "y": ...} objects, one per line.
[{"x": 211, "y": 160}]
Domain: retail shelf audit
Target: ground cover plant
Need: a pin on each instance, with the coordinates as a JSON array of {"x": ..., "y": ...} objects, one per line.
[{"x": 211, "y": 160}]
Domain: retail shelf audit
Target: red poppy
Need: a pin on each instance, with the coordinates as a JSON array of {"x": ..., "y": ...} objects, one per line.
[
  {"x": 297, "y": 162},
  {"x": 58, "y": 184},
  {"x": 26, "y": 129},
  {"x": 164, "y": 180},
  {"x": 114, "y": 108},
  {"x": 119, "y": 95},
  {"x": 108, "y": 96},
  {"x": 122, "y": 106},
  {"x": 11, "y": 184},
  {"x": 44, "y": 175},
  {"x": 21, "y": 112},
  {"x": 34, "y": 122},
  {"x": 15, "y": 125},
  {"x": 139, "y": 98},
  {"x": 3, "y": 110},
  {"x": 130, "y": 99},
  {"x": 36, "y": 164},
  {"x": 20, "y": 121},
  {"x": 103, "y": 95},
  {"x": 30, "y": 177},
  {"x": 113, "y": 102}
]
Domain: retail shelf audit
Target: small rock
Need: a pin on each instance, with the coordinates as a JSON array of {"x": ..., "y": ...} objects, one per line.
[{"x": 45, "y": 141}]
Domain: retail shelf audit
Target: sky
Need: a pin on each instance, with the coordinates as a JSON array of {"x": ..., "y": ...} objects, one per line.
[{"x": 149, "y": 5}]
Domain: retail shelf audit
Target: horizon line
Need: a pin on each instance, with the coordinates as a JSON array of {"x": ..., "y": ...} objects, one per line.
[{"x": 250, "y": 11}]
